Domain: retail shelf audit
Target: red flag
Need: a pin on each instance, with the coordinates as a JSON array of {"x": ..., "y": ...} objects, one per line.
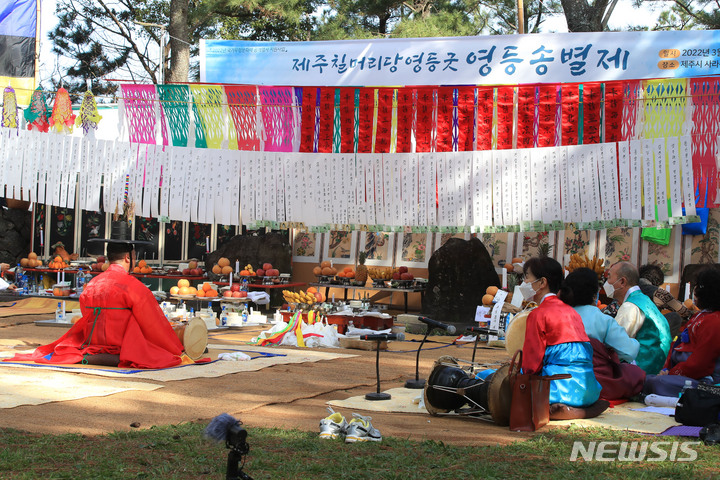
[
  {"x": 327, "y": 119},
  {"x": 485, "y": 117},
  {"x": 405, "y": 117},
  {"x": 613, "y": 111},
  {"x": 526, "y": 117},
  {"x": 466, "y": 117},
  {"x": 505, "y": 108},
  {"x": 384, "y": 120},
  {"x": 570, "y": 106},
  {"x": 424, "y": 119},
  {"x": 444, "y": 119},
  {"x": 366, "y": 107},
  {"x": 307, "y": 122},
  {"x": 347, "y": 120},
  {"x": 592, "y": 100},
  {"x": 547, "y": 114}
]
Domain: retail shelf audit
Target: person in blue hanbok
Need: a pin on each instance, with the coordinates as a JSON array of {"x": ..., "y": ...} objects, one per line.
[{"x": 556, "y": 342}]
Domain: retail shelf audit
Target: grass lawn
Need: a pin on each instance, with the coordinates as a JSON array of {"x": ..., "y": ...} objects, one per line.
[{"x": 181, "y": 452}]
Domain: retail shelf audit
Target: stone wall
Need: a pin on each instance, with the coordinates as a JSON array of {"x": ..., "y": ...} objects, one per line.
[{"x": 14, "y": 234}]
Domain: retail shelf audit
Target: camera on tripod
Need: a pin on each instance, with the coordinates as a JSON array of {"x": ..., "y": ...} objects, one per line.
[{"x": 225, "y": 427}]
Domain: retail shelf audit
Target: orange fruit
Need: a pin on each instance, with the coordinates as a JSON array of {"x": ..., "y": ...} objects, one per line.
[
  {"x": 325, "y": 263},
  {"x": 32, "y": 256},
  {"x": 58, "y": 259},
  {"x": 311, "y": 290},
  {"x": 206, "y": 286},
  {"x": 491, "y": 290},
  {"x": 184, "y": 291},
  {"x": 223, "y": 262},
  {"x": 183, "y": 283},
  {"x": 341, "y": 274},
  {"x": 487, "y": 299},
  {"x": 509, "y": 267},
  {"x": 136, "y": 270},
  {"x": 200, "y": 293},
  {"x": 517, "y": 260},
  {"x": 350, "y": 274},
  {"x": 174, "y": 290},
  {"x": 227, "y": 270},
  {"x": 211, "y": 293},
  {"x": 142, "y": 263},
  {"x": 245, "y": 273},
  {"x": 317, "y": 271},
  {"x": 217, "y": 269},
  {"x": 193, "y": 290},
  {"x": 327, "y": 271},
  {"x": 347, "y": 269}
]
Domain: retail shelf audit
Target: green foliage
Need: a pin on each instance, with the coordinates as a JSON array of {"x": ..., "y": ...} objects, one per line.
[{"x": 687, "y": 14}]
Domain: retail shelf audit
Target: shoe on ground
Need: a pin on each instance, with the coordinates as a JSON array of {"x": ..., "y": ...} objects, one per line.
[
  {"x": 333, "y": 426},
  {"x": 361, "y": 430}
]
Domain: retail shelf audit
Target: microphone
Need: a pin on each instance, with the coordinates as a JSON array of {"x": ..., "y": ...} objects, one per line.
[
  {"x": 384, "y": 336},
  {"x": 218, "y": 427},
  {"x": 435, "y": 324},
  {"x": 482, "y": 330}
]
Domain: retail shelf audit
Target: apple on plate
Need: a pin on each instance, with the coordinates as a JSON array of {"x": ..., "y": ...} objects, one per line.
[
  {"x": 234, "y": 287},
  {"x": 396, "y": 276},
  {"x": 260, "y": 272},
  {"x": 243, "y": 294},
  {"x": 402, "y": 270},
  {"x": 227, "y": 294},
  {"x": 267, "y": 266},
  {"x": 237, "y": 294}
]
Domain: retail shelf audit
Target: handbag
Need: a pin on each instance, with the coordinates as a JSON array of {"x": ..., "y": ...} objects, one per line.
[
  {"x": 698, "y": 407},
  {"x": 530, "y": 404}
]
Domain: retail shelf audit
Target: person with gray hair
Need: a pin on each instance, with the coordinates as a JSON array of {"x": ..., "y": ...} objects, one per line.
[
  {"x": 651, "y": 279},
  {"x": 639, "y": 316}
]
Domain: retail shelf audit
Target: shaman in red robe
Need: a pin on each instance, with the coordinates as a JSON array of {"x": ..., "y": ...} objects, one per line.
[{"x": 120, "y": 316}]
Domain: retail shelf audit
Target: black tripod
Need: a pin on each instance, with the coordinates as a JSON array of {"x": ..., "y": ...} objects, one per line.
[{"x": 235, "y": 462}]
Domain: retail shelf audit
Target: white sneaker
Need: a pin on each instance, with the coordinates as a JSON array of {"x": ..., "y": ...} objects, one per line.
[
  {"x": 361, "y": 430},
  {"x": 333, "y": 425}
]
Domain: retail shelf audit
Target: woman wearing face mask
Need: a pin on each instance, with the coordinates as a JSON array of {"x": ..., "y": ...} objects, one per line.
[
  {"x": 610, "y": 341},
  {"x": 556, "y": 342}
]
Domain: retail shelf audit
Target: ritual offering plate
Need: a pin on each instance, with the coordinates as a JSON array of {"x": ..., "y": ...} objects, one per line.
[
  {"x": 324, "y": 278},
  {"x": 184, "y": 297},
  {"x": 234, "y": 299}
]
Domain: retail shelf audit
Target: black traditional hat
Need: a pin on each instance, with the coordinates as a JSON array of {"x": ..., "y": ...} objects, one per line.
[{"x": 116, "y": 245}]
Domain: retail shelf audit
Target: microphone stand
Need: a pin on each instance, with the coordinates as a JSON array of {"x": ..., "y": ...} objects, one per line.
[
  {"x": 477, "y": 331},
  {"x": 418, "y": 382},
  {"x": 234, "y": 470},
  {"x": 377, "y": 395}
]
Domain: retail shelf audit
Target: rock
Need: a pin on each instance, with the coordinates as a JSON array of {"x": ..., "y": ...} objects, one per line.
[
  {"x": 459, "y": 272},
  {"x": 14, "y": 235},
  {"x": 254, "y": 249}
]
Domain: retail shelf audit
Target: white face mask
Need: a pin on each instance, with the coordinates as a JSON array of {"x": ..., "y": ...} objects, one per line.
[
  {"x": 609, "y": 288},
  {"x": 527, "y": 290}
]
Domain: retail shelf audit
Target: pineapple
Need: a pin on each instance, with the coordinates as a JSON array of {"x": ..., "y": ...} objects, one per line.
[
  {"x": 544, "y": 249},
  {"x": 361, "y": 272}
]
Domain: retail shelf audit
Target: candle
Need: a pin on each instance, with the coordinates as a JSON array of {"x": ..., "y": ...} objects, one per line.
[
  {"x": 42, "y": 243},
  {"x": 237, "y": 266},
  {"x": 687, "y": 290},
  {"x": 207, "y": 244},
  {"x": 58, "y": 279},
  {"x": 231, "y": 275},
  {"x": 504, "y": 278}
]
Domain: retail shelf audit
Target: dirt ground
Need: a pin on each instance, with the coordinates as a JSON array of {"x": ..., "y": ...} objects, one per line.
[{"x": 283, "y": 396}]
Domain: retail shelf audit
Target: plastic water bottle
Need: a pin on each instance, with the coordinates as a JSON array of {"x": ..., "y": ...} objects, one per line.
[
  {"x": 60, "y": 313},
  {"x": 244, "y": 314},
  {"x": 687, "y": 386},
  {"x": 79, "y": 281},
  {"x": 223, "y": 317}
]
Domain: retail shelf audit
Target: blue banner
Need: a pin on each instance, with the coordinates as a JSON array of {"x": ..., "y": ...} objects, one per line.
[{"x": 482, "y": 60}]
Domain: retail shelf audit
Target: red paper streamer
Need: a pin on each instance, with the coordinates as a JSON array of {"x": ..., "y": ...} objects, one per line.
[
  {"x": 366, "y": 110},
  {"x": 327, "y": 119},
  {"x": 631, "y": 104},
  {"x": 405, "y": 118},
  {"x": 466, "y": 118},
  {"x": 424, "y": 119},
  {"x": 592, "y": 101},
  {"x": 613, "y": 111},
  {"x": 384, "y": 120},
  {"x": 570, "y": 106},
  {"x": 547, "y": 108},
  {"x": 505, "y": 107},
  {"x": 526, "y": 117},
  {"x": 307, "y": 121},
  {"x": 706, "y": 110},
  {"x": 347, "y": 120},
  {"x": 445, "y": 119},
  {"x": 485, "y": 118},
  {"x": 242, "y": 103}
]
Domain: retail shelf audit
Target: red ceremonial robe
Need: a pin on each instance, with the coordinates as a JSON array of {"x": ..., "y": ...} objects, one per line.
[
  {"x": 129, "y": 323},
  {"x": 553, "y": 322}
]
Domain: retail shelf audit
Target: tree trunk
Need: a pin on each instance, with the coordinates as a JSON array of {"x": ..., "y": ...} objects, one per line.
[
  {"x": 583, "y": 17},
  {"x": 179, "y": 32}
]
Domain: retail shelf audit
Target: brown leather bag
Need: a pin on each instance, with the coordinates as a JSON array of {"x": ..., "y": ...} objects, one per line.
[{"x": 530, "y": 406}]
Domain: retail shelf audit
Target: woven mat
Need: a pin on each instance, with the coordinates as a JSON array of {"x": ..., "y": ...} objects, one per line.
[
  {"x": 261, "y": 358},
  {"x": 32, "y": 306},
  {"x": 401, "y": 401},
  {"x": 621, "y": 417},
  {"x": 21, "y": 388}
]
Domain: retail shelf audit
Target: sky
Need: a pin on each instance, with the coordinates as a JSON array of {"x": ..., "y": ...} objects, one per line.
[{"x": 619, "y": 19}]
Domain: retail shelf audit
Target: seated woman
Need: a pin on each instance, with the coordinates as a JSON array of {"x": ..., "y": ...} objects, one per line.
[
  {"x": 556, "y": 342},
  {"x": 695, "y": 355},
  {"x": 609, "y": 340}
]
